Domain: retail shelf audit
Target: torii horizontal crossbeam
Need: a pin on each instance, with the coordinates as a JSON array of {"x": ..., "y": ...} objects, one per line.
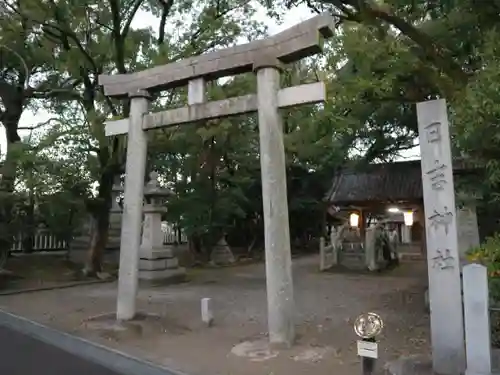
[{"x": 288, "y": 97}]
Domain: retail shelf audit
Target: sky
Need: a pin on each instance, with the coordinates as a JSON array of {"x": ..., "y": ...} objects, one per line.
[{"x": 143, "y": 19}]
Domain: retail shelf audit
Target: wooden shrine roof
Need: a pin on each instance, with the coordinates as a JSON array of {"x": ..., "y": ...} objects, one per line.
[{"x": 380, "y": 183}]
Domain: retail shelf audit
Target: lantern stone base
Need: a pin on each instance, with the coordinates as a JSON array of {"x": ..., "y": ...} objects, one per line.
[{"x": 159, "y": 266}]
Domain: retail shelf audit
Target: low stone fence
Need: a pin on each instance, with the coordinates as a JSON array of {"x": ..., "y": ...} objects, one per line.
[{"x": 328, "y": 254}]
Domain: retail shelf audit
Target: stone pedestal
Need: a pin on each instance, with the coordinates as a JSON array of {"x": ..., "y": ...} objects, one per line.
[
  {"x": 160, "y": 266},
  {"x": 157, "y": 262}
]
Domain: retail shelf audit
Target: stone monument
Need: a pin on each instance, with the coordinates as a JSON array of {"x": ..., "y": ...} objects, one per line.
[
  {"x": 445, "y": 295},
  {"x": 116, "y": 190},
  {"x": 157, "y": 262},
  {"x": 468, "y": 231},
  {"x": 265, "y": 58},
  {"x": 80, "y": 242}
]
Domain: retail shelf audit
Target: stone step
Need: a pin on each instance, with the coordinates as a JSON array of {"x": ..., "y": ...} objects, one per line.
[
  {"x": 352, "y": 251},
  {"x": 348, "y": 249},
  {"x": 350, "y": 260},
  {"x": 411, "y": 256}
]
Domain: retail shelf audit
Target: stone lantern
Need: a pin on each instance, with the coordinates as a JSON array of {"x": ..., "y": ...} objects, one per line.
[
  {"x": 157, "y": 262},
  {"x": 221, "y": 253},
  {"x": 116, "y": 190}
]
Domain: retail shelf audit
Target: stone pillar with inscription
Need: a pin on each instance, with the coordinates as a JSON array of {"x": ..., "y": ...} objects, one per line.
[
  {"x": 447, "y": 330},
  {"x": 157, "y": 262}
]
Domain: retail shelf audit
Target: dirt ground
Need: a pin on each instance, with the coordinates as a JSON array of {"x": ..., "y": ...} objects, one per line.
[{"x": 326, "y": 303}]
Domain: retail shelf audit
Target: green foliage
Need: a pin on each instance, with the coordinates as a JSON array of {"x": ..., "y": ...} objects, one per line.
[
  {"x": 373, "y": 91},
  {"x": 476, "y": 118},
  {"x": 54, "y": 184},
  {"x": 85, "y": 40}
]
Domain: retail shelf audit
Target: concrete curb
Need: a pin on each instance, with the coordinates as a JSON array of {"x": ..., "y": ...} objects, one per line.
[{"x": 99, "y": 354}]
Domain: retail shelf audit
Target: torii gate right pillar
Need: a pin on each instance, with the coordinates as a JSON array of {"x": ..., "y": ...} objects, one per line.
[{"x": 280, "y": 301}]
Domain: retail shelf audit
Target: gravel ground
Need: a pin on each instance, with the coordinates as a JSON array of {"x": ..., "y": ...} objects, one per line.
[{"x": 326, "y": 304}]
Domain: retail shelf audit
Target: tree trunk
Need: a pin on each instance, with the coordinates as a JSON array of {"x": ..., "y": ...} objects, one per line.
[
  {"x": 10, "y": 121},
  {"x": 211, "y": 165},
  {"x": 6, "y": 204},
  {"x": 29, "y": 230},
  {"x": 99, "y": 240},
  {"x": 100, "y": 225},
  {"x": 178, "y": 232},
  {"x": 195, "y": 247}
]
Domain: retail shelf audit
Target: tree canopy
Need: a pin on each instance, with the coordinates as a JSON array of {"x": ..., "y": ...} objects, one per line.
[{"x": 384, "y": 57}]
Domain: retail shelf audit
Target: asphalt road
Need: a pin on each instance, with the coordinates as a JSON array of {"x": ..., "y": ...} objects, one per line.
[{"x": 24, "y": 355}]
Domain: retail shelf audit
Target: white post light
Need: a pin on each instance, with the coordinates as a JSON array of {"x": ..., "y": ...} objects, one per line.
[
  {"x": 408, "y": 217},
  {"x": 354, "y": 220}
]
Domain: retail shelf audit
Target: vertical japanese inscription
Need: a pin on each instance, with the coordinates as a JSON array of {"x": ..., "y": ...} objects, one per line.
[
  {"x": 443, "y": 260},
  {"x": 441, "y": 219},
  {"x": 433, "y": 132},
  {"x": 437, "y": 176}
]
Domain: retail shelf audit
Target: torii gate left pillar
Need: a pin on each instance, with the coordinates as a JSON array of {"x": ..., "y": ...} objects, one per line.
[{"x": 265, "y": 58}]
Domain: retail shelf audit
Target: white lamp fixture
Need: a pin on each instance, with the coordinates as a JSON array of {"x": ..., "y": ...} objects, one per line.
[
  {"x": 393, "y": 210},
  {"x": 354, "y": 220},
  {"x": 408, "y": 217}
]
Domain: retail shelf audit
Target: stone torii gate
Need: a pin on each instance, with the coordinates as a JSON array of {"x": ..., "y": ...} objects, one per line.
[{"x": 265, "y": 58}]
